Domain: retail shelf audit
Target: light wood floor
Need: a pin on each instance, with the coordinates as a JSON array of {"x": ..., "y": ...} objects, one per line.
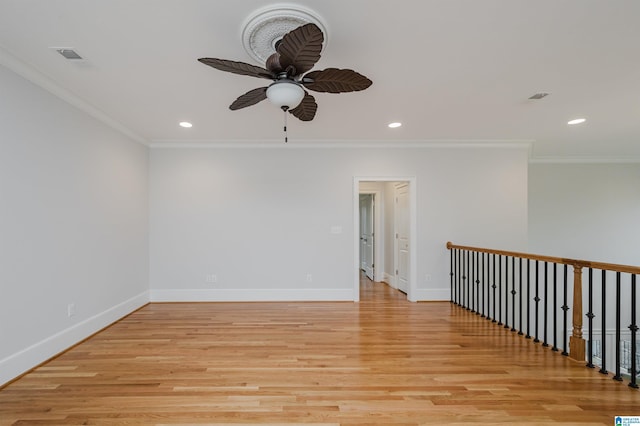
[{"x": 381, "y": 361}]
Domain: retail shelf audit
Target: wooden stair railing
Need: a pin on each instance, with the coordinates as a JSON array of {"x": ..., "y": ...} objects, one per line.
[{"x": 577, "y": 343}]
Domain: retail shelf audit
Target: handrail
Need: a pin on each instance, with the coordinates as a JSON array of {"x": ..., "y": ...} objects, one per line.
[
  {"x": 565, "y": 261},
  {"x": 469, "y": 269}
]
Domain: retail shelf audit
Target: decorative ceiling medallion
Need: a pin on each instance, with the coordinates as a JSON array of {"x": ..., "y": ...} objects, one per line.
[{"x": 268, "y": 25}]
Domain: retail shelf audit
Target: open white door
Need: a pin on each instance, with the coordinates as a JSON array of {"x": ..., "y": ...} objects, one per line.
[{"x": 402, "y": 254}]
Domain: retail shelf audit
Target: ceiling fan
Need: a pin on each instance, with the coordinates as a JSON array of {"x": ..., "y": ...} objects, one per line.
[{"x": 295, "y": 54}]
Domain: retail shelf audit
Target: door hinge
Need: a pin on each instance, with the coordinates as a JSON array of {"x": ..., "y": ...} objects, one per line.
[
  {"x": 396, "y": 272},
  {"x": 396, "y": 235}
]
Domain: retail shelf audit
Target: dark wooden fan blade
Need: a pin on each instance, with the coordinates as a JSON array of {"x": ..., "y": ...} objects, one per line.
[
  {"x": 301, "y": 48},
  {"x": 334, "y": 80},
  {"x": 307, "y": 108},
  {"x": 235, "y": 67},
  {"x": 252, "y": 97}
]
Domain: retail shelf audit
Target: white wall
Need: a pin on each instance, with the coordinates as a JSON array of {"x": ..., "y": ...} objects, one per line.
[
  {"x": 260, "y": 219},
  {"x": 585, "y": 211},
  {"x": 73, "y": 225}
]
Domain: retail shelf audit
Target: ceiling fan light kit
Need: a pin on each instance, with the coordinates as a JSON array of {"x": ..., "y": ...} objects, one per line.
[
  {"x": 290, "y": 58},
  {"x": 285, "y": 94}
]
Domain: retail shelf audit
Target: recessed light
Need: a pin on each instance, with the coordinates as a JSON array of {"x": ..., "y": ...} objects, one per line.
[
  {"x": 185, "y": 124},
  {"x": 576, "y": 121},
  {"x": 394, "y": 125}
]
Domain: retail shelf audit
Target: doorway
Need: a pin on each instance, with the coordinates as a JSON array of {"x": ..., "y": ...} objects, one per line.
[
  {"x": 367, "y": 234},
  {"x": 385, "y": 216}
]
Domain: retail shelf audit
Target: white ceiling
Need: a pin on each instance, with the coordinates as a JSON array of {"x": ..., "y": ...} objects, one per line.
[{"x": 450, "y": 70}]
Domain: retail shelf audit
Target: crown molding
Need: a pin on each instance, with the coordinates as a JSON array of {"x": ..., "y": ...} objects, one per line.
[
  {"x": 584, "y": 160},
  {"x": 344, "y": 144},
  {"x": 385, "y": 144},
  {"x": 29, "y": 73}
]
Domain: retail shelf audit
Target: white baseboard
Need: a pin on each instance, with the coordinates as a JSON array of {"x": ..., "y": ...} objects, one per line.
[
  {"x": 433, "y": 294},
  {"x": 389, "y": 279},
  {"x": 20, "y": 362},
  {"x": 253, "y": 295}
]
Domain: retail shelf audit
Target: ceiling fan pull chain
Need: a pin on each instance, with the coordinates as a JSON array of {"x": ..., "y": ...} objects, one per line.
[{"x": 286, "y": 139}]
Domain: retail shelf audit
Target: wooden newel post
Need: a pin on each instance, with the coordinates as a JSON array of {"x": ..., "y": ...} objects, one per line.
[{"x": 576, "y": 342}]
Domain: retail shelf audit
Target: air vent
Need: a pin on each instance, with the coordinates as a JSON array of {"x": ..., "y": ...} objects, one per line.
[
  {"x": 539, "y": 95},
  {"x": 68, "y": 53}
]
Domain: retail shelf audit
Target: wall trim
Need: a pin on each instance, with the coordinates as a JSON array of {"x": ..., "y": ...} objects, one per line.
[
  {"x": 585, "y": 160},
  {"x": 21, "y": 362},
  {"x": 278, "y": 144},
  {"x": 389, "y": 279},
  {"x": 252, "y": 295}
]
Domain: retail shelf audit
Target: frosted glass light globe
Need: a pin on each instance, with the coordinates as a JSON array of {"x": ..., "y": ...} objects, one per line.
[{"x": 287, "y": 94}]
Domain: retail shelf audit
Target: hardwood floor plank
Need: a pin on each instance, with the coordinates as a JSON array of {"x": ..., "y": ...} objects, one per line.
[{"x": 381, "y": 361}]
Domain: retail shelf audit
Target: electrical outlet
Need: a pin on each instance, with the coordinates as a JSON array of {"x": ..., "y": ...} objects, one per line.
[
  {"x": 309, "y": 278},
  {"x": 427, "y": 278},
  {"x": 211, "y": 278},
  {"x": 71, "y": 310}
]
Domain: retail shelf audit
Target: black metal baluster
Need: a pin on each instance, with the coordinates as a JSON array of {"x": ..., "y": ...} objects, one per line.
[
  {"x": 546, "y": 309},
  {"x": 463, "y": 278},
  {"x": 467, "y": 300},
  {"x": 634, "y": 329},
  {"x": 617, "y": 377},
  {"x": 603, "y": 328},
  {"x": 555, "y": 308},
  {"x": 456, "y": 276},
  {"x": 513, "y": 294},
  {"x": 484, "y": 284},
  {"x": 520, "y": 295},
  {"x": 451, "y": 296},
  {"x": 565, "y": 308},
  {"x": 478, "y": 289},
  {"x": 528, "y": 336},
  {"x": 537, "y": 300},
  {"x": 459, "y": 277},
  {"x": 506, "y": 292},
  {"x": 493, "y": 318},
  {"x": 590, "y": 315},
  {"x": 499, "y": 289},
  {"x": 472, "y": 282}
]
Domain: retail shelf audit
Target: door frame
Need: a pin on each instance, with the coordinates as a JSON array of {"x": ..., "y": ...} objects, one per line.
[{"x": 413, "y": 219}]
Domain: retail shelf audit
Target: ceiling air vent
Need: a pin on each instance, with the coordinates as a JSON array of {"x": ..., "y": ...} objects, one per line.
[
  {"x": 68, "y": 53},
  {"x": 539, "y": 95}
]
